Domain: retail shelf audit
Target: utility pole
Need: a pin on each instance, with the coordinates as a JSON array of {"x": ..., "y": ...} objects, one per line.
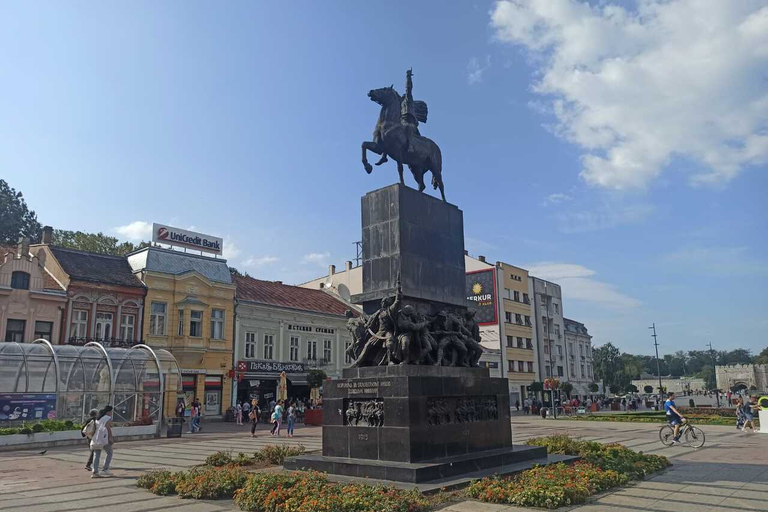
[
  {"x": 714, "y": 372},
  {"x": 658, "y": 365}
]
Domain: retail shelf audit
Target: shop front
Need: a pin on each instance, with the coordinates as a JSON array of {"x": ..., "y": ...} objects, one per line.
[{"x": 259, "y": 379}]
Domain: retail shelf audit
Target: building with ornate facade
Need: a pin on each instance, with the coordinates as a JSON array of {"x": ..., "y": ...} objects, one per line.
[
  {"x": 32, "y": 301},
  {"x": 578, "y": 345},
  {"x": 285, "y": 328},
  {"x": 189, "y": 311},
  {"x": 742, "y": 377}
]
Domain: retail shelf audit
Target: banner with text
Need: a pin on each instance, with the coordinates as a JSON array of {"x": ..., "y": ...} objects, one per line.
[
  {"x": 481, "y": 295},
  {"x": 163, "y": 234}
]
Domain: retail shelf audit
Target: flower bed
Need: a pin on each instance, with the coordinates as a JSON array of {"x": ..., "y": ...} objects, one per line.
[
  {"x": 602, "y": 467},
  {"x": 656, "y": 417}
]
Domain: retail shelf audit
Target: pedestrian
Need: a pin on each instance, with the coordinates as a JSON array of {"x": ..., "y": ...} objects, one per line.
[
  {"x": 277, "y": 419},
  {"x": 102, "y": 440},
  {"x": 239, "y": 413},
  {"x": 517, "y": 404},
  {"x": 246, "y": 410},
  {"x": 199, "y": 416},
  {"x": 749, "y": 406},
  {"x": 192, "y": 418},
  {"x": 88, "y": 430},
  {"x": 291, "y": 419},
  {"x": 253, "y": 415},
  {"x": 180, "y": 409}
]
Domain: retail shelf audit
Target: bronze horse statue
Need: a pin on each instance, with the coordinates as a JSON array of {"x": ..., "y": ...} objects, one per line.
[{"x": 391, "y": 139}]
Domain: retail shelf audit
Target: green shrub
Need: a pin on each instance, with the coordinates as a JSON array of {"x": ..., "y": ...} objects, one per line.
[
  {"x": 219, "y": 459},
  {"x": 39, "y": 426},
  {"x": 312, "y": 492},
  {"x": 160, "y": 482},
  {"x": 242, "y": 459},
  {"x": 210, "y": 483},
  {"x": 277, "y": 453},
  {"x": 550, "y": 486}
]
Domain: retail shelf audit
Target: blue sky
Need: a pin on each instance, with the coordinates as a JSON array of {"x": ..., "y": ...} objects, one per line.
[{"x": 618, "y": 150}]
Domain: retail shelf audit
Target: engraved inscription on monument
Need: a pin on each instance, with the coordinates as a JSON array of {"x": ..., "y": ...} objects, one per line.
[
  {"x": 363, "y": 387},
  {"x": 446, "y": 410}
]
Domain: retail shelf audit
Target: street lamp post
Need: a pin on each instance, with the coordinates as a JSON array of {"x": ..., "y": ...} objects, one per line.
[{"x": 658, "y": 366}]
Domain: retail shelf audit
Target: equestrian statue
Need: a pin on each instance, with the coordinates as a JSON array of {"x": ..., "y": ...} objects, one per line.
[{"x": 397, "y": 136}]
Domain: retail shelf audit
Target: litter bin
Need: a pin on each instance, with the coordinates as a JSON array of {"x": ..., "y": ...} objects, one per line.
[{"x": 175, "y": 426}]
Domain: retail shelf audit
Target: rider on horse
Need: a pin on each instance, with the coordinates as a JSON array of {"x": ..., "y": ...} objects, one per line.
[{"x": 407, "y": 117}]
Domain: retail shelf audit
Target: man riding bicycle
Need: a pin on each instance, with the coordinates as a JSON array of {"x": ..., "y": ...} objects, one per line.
[{"x": 674, "y": 417}]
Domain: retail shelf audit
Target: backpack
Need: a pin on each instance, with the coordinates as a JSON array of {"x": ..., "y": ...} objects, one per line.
[
  {"x": 101, "y": 437},
  {"x": 89, "y": 429}
]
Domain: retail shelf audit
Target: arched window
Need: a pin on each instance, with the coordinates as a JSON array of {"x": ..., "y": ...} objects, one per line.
[{"x": 20, "y": 280}]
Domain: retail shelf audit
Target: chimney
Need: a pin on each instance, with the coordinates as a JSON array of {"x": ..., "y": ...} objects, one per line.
[
  {"x": 348, "y": 265},
  {"x": 331, "y": 269},
  {"x": 278, "y": 282},
  {"x": 322, "y": 285},
  {"x": 47, "y": 235},
  {"x": 481, "y": 258},
  {"x": 466, "y": 252},
  {"x": 23, "y": 247},
  {"x": 41, "y": 257}
]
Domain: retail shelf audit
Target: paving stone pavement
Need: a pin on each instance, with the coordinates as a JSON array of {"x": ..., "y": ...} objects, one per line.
[{"x": 729, "y": 474}]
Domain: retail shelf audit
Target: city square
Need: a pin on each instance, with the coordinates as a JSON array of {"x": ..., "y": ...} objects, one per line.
[{"x": 220, "y": 290}]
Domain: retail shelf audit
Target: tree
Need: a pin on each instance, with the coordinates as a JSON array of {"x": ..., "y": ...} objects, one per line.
[
  {"x": 593, "y": 387},
  {"x": 315, "y": 378},
  {"x": 762, "y": 357},
  {"x": 16, "y": 219},
  {"x": 236, "y": 273},
  {"x": 614, "y": 388},
  {"x": 607, "y": 363},
  {"x": 94, "y": 242},
  {"x": 648, "y": 389},
  {"x": 537, "y": 387},
  {"x": 632, "y": 388},
  {"x": 566, "y": 387}
]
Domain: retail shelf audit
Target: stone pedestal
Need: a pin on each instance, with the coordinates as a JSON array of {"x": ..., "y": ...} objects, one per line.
[{"x": 421, "y": 239}]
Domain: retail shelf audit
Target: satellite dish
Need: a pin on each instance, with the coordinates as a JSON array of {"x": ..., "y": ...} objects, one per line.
[
  {"x": 344, "y": 293},
  {"x": 328, "y": 282}
]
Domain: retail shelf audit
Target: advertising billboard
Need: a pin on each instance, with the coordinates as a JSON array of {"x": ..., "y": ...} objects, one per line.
[
  {"x": 481, "y": 295},
  {"x": 163, "y": 234},
  {"x": 27, "y": 407}
]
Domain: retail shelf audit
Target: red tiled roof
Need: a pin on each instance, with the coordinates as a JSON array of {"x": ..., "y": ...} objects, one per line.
[{"x": 282, "y": 295}]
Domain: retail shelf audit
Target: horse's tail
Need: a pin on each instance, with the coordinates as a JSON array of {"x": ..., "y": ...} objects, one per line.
[{"x": 437, "y": 166}]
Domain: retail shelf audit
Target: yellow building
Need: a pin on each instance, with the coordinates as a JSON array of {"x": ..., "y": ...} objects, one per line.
[
  {"x": 517, "y": 330},
  {"x": 189, "y": 310}
]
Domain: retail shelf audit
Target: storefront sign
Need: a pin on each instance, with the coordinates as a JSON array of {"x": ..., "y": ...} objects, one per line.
[
  {"x": 481, "y": 295},
  {"x": 27, "y": 407},
  {"x": 182, "y": 238},
  {"x": 270, "y": 367},
  {"x": 197, "y": 371}
]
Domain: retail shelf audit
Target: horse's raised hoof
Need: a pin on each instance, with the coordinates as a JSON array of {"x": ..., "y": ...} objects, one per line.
[
  {"x": 383, "y": 160},
  {"x": 368, "y": 167}
]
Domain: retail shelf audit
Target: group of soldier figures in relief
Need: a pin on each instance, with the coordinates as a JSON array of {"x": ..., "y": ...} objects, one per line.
[
  {"x": 398, "y": 334},
  {"x": 369, "y": 413},
  {"x": 441, "y": 411}
]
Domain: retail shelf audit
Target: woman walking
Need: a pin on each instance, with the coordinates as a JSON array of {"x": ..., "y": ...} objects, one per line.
[
  {"x": 239, "y": 413},
  {"x": 102, "y": 440},
  {"x": 89, "y": 429},
  {"x": 291, "y": 419},
  {"x": 254, "y": 417},
  {"x": 277, "y": 418},
  {"x": 749, "y": 418}
]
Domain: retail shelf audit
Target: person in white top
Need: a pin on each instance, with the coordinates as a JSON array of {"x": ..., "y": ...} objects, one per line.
[{"x": 102, "y": 440}]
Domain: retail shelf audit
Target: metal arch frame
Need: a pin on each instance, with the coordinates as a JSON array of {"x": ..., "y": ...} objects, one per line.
[
  {"x": 22, "y": 366},
  {"x": 48, "y": 345},
  {"x": 100, "y": 347},
  {"x": 160, "y": 378}
]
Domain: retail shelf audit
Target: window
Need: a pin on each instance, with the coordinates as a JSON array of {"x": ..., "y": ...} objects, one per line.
[
  {"x": 557, "y": 329},
  {"x": 327, "y": 351},
  {"x": 511, "y": 365},
  {"x": 530, "y": 367},
  {"x": 517, "y": 296},
  {"x": 43, "y": 330},
  {"x": 528, "y": 320},
  {"x": 250, "y": 345},
  {"x": 560, "y": 350},
  {"x": 217, "y": 324},
  {"x": 520, "y": 342},
  {"x": 103, "y": 326},
  {"x": 511, "y": 341},
  {"x": 157, "y": 318},
  {"x": 312, "y": 350},
  {"x": 294, "y": 348},
  {"x": 127, "y": 327},
  {"x": 559, "y": 371},
  {"x": 544, "y": 323},
  {"x": 547, "y": 370},
  {"x": 181, "y": 322},
  {"x": 20, "y": 280},
  {"x": 546, "y": 347},
  {"x": 79, "y": 327},
  {"x": 518, "y": 319},
  {"x": 196, "y": 323},
  {"x": 526, "y": 299},
  {"x": 582, "y": 371},
  {"x": 508, "y": 317},
  {"x": 570, "y": 349},
  {"x": 14, "y": 330},
  {"x": 348, "y": 358},
  {"x": 521, "y": 366},
  {"x": 557, "y": 308},
  {"x": 269, "y": 346},
  {"x": 528, "y": 343},
  {"x": 581, "y": 350},
  {"x": 507, "y": 293},
  {"x": 573, "y": 371}
]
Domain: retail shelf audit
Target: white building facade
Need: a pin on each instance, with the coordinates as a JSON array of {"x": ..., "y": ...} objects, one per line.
[
  {"x": 578, "y": 344},
  {"x": 548, "y": 328}
]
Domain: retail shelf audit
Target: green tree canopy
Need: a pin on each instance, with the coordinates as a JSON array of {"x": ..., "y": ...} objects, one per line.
[
  {"x": 648, "y": 389},
  {"x": 94, "y": 242},
  {"x": 762, "y": 357},
  {"x": 593, "y": 387},
  {"x": 566, "y": 387},
  {"x": 16, "y": 219},
  {"x": 315, "y": 378}
]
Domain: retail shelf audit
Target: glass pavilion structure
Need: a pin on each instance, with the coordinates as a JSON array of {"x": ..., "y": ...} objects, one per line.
[{"x": 39, "y": 380}]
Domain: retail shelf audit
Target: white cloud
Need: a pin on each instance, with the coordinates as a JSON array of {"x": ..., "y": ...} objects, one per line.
[
  {"x": 231, "y": 250},
  {"x": 475, "y": 69},
  {"x": 605, "y": 217},
  {"x": 577, "y": 284},
  {"x": 321, "y": 258},
  {"x": 136, "y": 231},
  {"x": 556, "y": 198},
  {"x": 258, "y": 261},
  {"x": 636, "y": 88}
]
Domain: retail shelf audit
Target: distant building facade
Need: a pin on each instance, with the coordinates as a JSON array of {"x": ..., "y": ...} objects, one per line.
[
  {"x": 742, "y": 377},
  {"x": 578, "y": 344},
  {"x": 285, "y": 328},
  {"x": 671, "y": 384},
  {"x": 32, "y": 302},
  {"x": 548, "y": 328}
]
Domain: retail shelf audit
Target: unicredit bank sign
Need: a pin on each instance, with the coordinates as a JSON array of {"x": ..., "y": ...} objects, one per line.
[{"x": 163, "y": 234}]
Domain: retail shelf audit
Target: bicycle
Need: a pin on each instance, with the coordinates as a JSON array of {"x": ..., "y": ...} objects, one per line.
[{"x": 694, "y": 436}]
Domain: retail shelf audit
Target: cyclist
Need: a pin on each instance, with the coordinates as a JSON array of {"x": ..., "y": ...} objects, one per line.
[{"x": 673, "y": 417}]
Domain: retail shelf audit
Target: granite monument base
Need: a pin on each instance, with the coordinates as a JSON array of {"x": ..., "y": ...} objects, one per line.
[{"x": 412, "y": 423}]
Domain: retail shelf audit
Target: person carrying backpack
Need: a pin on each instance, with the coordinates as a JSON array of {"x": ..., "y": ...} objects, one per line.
[
  {"x": 88, "y": 430},
  {"x": 102, "y": 440}
]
